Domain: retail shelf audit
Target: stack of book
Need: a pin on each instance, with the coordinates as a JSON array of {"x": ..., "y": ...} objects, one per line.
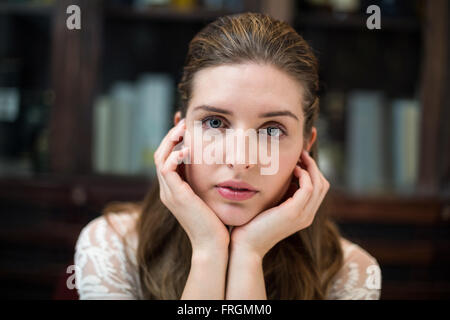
[
  {"x": 129, "y": 124},
  {"x": 405, "y": 146},
  {"x": 382, "y": 143},
  {"x": 365, "y": 149}
]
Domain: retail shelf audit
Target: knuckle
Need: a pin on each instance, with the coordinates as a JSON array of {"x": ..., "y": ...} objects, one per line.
[
  {"x": 320, "y": 186},
  {"x": 157, "y": 160},
  {"x": 309, "y": 221},
  {"x": 308, "y": 188},
  {"x": 162, "y": 196},
  {"x": 180, "y": 200},
  {"x": 293, "y": 214},
  {"x": 170, "y": 133}
]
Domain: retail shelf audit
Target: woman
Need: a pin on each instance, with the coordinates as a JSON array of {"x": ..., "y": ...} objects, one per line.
[{"x": 196, "y": 236}]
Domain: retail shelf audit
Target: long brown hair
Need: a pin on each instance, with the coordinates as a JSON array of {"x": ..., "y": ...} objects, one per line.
[{"x": 298, "y": 267}]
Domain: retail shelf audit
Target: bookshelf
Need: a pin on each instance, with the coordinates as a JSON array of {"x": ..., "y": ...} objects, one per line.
[{"x": 62, "y": 190}]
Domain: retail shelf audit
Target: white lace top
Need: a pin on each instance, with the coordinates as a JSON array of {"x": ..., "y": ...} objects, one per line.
[{"x": 103, "y": 271}]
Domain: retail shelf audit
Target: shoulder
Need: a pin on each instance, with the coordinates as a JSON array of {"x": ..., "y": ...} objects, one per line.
[
  {"x": 360, "y": 275},
  {"x": 105, "y": 231},
  {"x": 355, "y": 253},
  {"x": 105, "y": 258}
]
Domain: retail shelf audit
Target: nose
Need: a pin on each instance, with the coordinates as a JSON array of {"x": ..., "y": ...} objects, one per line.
[
  {"x": 237, "y": 162},
  {"x": 240, "y": 166},
  {"x": 242, "y": 153}
]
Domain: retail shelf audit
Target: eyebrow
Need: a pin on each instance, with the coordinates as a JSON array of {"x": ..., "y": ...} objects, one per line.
[{"x": 262, "y": 115}]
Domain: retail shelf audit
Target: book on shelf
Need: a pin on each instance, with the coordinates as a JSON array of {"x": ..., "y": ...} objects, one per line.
[
  {"x": 365, "y": 150},
  {"x": 102, "y": 134},
  {"x": 130, "y": 123},
  {"x": 140, "y": 4},
  {"x": 9, "y": 104},
  {"x": 405, "y": 146},
  {"x": 123, "y": 103},
  {"x": 154, "y": 97}
]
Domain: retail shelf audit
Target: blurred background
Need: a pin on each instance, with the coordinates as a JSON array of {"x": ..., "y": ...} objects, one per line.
[{"x": 82, "y": 111}]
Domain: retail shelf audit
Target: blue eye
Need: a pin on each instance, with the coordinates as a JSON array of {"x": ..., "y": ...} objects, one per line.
[
  {"x": 273, "y": 131},
  {"x": 213, "y": 122}
]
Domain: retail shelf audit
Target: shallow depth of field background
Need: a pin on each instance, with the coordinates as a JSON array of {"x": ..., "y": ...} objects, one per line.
[{"x": 82, "y": 111}]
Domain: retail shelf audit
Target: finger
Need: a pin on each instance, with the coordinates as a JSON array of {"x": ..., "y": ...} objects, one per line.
[
  {"x": 169, "y": 134},
  {"x": 317, "y": 176},
  {"x": 162, "y": 182},
  {"x": 174, "y": 160},
  {"x": 321, "y": 185},
  {"x": 313, "y": 170},
  {"x": 304, "y": 193},
  {"x": 168, "y": 143},
  {"x": 171, "y": 176}
]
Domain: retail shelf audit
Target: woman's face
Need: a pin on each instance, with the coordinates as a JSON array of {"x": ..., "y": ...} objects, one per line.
[{"x": 243, "y": 92}]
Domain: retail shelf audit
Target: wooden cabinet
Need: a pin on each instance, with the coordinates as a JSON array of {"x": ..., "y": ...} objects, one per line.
[{"x": 44, "y": 212}]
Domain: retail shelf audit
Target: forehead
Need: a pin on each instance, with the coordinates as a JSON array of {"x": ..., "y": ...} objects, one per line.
[{"x": 258, "y": 87}]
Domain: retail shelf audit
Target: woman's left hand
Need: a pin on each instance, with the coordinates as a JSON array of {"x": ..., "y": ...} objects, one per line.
[{"x": 271, "y": 226}]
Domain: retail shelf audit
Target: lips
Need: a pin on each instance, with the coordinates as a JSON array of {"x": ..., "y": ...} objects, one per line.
[
  {"x": 237, "y": 185},
  {"x": 236, "y": 190}
]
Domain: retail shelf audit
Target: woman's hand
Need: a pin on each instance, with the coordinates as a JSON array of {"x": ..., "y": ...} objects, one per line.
[
  {"x": 269, "y": 227},
  {"x": 204, "y": 229}
]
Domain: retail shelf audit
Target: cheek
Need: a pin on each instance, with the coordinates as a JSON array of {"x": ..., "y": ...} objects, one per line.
[
  {"x": 203, "y": 146},
  {"x": 197, "y": 176},
  {"x": 289, "y": 156},
  {"x": 278, "y": 184}
]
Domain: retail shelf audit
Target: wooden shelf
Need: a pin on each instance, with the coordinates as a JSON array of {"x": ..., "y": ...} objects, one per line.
[
  {"x": 26, "y": 9},
  {"x": 46, "y": 211},
  {"x": 165, "y": 14},
  {"x": 96, "y": 190},
  {"x": 414, "y": 209},
  {"x": 58, "y": 191},
  {"x": 415, "y": 290},
  {"x": 354, "y": 21}
]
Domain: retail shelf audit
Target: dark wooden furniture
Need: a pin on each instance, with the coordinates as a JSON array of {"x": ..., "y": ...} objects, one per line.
[{"x": 43, "y": 213}]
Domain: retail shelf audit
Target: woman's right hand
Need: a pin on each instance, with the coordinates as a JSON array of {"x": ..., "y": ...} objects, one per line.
[{"x": 203, "y": 227}]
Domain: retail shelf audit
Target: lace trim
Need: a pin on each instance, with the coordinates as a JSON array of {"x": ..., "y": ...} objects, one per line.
[
  {"x": 103, "y": 271},
  {"x": 360, "y": 277}
]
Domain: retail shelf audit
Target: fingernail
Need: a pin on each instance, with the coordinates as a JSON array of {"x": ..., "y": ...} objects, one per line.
[{"x": 177, "y": 134}]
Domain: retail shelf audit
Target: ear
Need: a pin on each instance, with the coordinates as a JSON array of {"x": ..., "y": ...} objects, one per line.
[
  {"x": 309, "y": 144},
  {"x": 312, "y": 139},
  {"x": 177, "y": 117}
]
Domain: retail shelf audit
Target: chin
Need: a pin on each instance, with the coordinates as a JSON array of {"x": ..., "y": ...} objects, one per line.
[{"x": 233, "y": 214}]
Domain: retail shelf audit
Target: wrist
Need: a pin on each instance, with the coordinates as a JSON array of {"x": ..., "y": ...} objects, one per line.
[
  {"x": 208, "y": 253},
  {"x": 210, "y": 245},
  {"x": 243, "y": 252}
]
